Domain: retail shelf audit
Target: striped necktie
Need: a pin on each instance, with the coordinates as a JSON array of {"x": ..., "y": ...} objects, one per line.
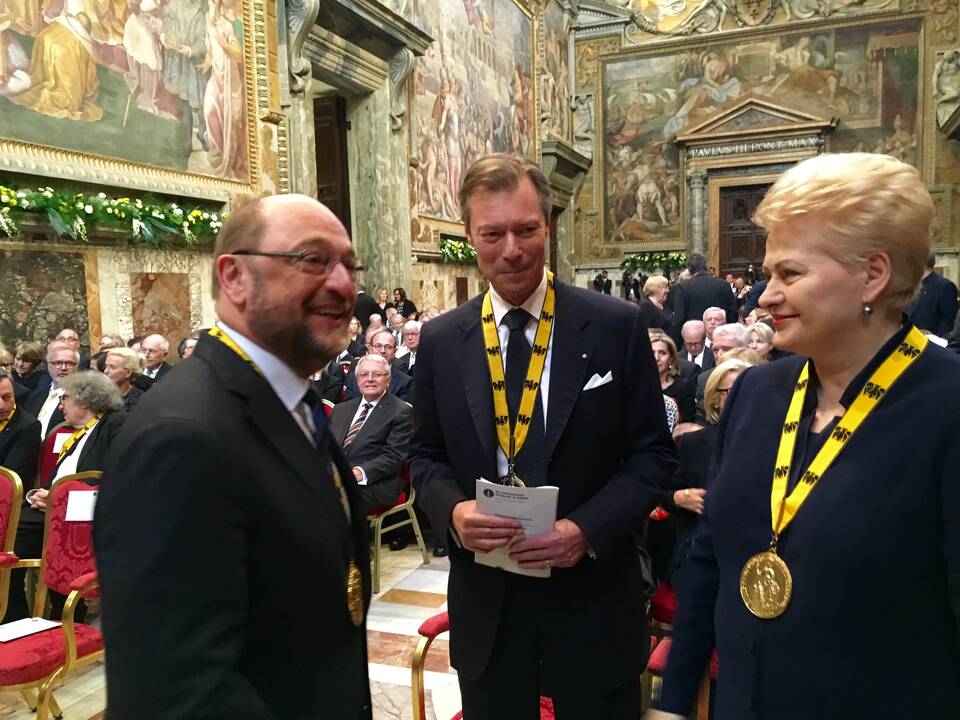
[{"x": 357, "y": 424}]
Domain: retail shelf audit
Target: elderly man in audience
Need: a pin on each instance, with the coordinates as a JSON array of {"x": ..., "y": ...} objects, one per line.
[
  {"x": 374, "y": 430},
  {"x": 407, "y": 359},
  {"x": 396, "y": 322},
  {"x": 27, "y": 357},
  {"x": 44, "y": 402},
  {"x": 122, "y": 366},
  {"x": 725, "y": 337},
  {"x": 19, "y": 434},
  {"x": 383, "y": 343},
  {"x": 694, "y": 334},
  {"x": 155, "y": 350},
  {"x": 90, "y": 403},
  {"x": 713, "y": 317}
]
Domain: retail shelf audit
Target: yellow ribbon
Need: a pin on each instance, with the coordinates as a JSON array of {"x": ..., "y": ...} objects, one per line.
[
  {"x": 782, "y": 508},
  {"x": 512, "y": 437},
  {"x": 77, "y": 434},
  {"x": 8, "y": 418}
]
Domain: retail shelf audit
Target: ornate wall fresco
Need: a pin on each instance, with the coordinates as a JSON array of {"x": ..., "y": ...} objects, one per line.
[
  {"x": 474, "y": 93},
  {"x": 138, "y": 91},
  {"x": 866, "y": 75},
  {"x": 161, "y": 304},
  {"x": 555, "y": 75}
]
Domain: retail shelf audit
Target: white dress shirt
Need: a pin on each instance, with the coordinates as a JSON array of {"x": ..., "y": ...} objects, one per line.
[
  {"x": 533, "y": 305},
  {"x": 48, "y": 408},
  {"x": 698, "y": 360},
  {"x": 373, "y": 404},
  {"x": 69, "y": 464}
]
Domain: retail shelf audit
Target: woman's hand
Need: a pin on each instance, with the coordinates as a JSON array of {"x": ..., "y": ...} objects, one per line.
[{"x": 690, "y": 499}]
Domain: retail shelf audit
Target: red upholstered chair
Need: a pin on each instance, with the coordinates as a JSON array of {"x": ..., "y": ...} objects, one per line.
[
  {"x": 402, "y": 507},
  {"x": 11, "y": 497},
  {"x": 327, "y": 406},
  {"x": 663, "y": 609},
  {"x": 658, "y": 663},
  {"x": 429, "y": 630},
  {"x": 40, "y": 661},
  {"x": 48, "y": 456}
]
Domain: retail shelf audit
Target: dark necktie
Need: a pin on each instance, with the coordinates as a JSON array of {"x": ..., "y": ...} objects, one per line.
[
  {"x": 313, "y": 401},
  {"x": 357, "y": 424},
  {"x": 531, "y": 462}
]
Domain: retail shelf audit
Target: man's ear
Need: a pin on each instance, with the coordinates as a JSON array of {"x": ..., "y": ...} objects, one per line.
[{"x": 234, "y": 278}]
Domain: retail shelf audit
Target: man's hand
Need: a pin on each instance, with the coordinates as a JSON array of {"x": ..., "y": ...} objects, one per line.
[
  {"x": 690, "y": 499},
  {"x": 38, "y": 499},
  {"x": 561, "y": 548},
  {"x": 480, "y": 532},
  {"x": 358, "y": 475}
]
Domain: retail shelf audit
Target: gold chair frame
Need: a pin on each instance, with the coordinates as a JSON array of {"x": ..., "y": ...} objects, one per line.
[
  {"x": 44, "y": 702},
  {"x": 11, "y": 536},
  {"x": 378, "y": 529},
  {"x": 417, "y": 685}
]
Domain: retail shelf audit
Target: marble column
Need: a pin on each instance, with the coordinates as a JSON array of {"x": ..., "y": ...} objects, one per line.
[
  {"x": 697, "y": 180},
  {"x": 300, "y": 16}
]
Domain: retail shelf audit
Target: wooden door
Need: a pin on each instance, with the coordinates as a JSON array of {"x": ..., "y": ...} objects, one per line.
[
  {"x": 333, "y": 180},
  {"x": 741, "y": 242}
]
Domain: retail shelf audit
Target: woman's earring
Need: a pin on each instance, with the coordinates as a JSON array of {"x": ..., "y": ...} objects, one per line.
[{"x": 867, "y": 310}]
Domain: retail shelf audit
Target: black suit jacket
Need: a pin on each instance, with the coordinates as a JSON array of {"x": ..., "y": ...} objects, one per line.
[
  {"x": 402, "y": 364},
  {"x": 223, "y": 548},
  {"x": 380, "y": 448},
  {"x": 20, "y": 446},
  {"x": 164, "y": 368},
  {"x": 366, "y": 306},
  {"x": 34, "y": 403},
  {"x": 690, "y": 298},
  {"x": 709, "y": 362},
  {"x": 401, "y": 385},
  {"x": 608, "y": 451},
  {"x": 877, "y": 539},
  {"x": 935, "y": 307}
]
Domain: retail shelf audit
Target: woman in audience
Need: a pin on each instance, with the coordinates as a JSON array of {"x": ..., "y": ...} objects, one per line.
[
  {"x": 836, "y": 474},
  {"x": 90, "y": 405},
  {"x": 122, "y": 367},
  {"x": 668, "y": 367},
  {"x": 27, "y": 357},
  {"x": 356, "y": 347},
  {"x": 383, "y": 302},
  {"x": 653, "y": 308},
  {"x": 758, "y": 314},
  {"x": 110, "y": 341},
  {"x": 761, "y": 340},
  {"x": 405, "y": 307}
]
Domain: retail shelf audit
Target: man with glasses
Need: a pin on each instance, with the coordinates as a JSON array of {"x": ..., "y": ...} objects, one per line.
[
  {"x": 384, "y": 344},
  {"x": 374, "y": 430},
  {"x": 44, "y": 402},
  {"x": 227, "y": 482},
  {"x": 407, "y": 362},
  {"x": 155, "y": 349}
]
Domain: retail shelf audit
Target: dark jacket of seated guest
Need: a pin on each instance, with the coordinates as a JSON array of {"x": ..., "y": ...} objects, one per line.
[
  {"x": 20, "y": 446},
  {"x": 401, "y": 385},
  {"x": 330, "y": 384},
  {"x": 380, "y": 447},
  {"x": 132, "y": 397},
  {"x": 34, "y": 403},
  {"x": 683, "y": 389}
]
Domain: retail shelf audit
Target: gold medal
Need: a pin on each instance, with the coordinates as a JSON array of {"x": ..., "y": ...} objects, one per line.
[
  {"x": 355, "y": 594},
  {"x": 766, "y": 585},
  {"x": 511, "y": 480}
]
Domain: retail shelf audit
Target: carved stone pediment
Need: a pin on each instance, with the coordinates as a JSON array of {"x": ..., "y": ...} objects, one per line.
[{"x": 754, "y": 115}]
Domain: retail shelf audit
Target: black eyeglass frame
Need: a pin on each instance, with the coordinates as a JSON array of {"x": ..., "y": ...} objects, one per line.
[{"x": 300, "y": 256}]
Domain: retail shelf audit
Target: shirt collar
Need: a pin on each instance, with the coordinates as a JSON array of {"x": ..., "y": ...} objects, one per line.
[
  {"x": 288, "y": 386},
  {"x": 533, "y": 304},
  {"x": 373, "y": 403}
]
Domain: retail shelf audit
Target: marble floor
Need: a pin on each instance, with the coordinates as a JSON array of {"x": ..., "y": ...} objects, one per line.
[{"x": 410, "y": 593}]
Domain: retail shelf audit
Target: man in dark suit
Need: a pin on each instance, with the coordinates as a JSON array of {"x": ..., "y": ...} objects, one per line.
[
  {"x": 407, "y": 363},
  {"x": 44, "y": 402},
  {"x": 155, "y": 349},
  {"x": 690, "y": 298},
  {"x": 402, "y": 385},
  {"x": 375, "y": 431},
  {"x": 598, "y": 432},
  {"x": 365, "y": 307},
  {"x": 694, "y": 349},
  {"x": 20, "y": 435},
  {"x": 227, "y": 483},
  {"x": 935, "y": 307}
]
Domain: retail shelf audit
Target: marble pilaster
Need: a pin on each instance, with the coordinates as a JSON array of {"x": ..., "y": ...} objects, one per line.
[{"x": 697, "y": 180}]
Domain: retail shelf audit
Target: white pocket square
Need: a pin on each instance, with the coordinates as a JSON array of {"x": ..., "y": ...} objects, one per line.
[{"x": 596, "y": 381}]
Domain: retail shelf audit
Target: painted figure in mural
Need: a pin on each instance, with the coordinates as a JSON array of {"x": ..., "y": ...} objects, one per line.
[
  {"x": 477, "y": 15},
  {"x": 946, "y": 85},
  {"x": 648, "y": 192},
  {"x": 24, "y": 16},
  {"x": 106, "y": 17},
  {"x": 223, "y": 103},
  {"x": 14, "y": 63},
  {"x": 184, "y": 39},
  {"x": 448, "y": 127},
  {"x": 63, "y": 74},
  {"x": 714, "y": 87},
  {"x": 141, "y": 40}
]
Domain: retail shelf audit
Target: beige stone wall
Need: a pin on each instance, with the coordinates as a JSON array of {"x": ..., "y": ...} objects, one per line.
[{"x": 435, "y": 283}]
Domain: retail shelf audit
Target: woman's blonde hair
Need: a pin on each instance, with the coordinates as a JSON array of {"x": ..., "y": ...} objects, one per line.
[
  {"x": 764, "y": 331},
  {"x": 657, "y": 336},
  {"x": 131, "y": 360},
  {"x": 862, "y": 203},
  {"x": 711, "y": 396},
  {"x": 655, "y": 284}
]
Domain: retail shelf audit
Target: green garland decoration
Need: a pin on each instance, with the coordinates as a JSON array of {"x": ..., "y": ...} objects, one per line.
[
  {"x": 72, "y": 214},
  {"x": 651, "y": 260},
  {"x": 457, "y": 251}
]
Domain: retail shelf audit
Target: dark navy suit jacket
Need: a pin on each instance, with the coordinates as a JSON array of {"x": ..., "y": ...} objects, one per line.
[{"x": 872, "y": 627}]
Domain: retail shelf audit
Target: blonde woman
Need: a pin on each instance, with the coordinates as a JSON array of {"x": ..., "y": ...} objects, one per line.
[
  {"x": 836, "y": 474},
  {"x": 761, "y": 340},
  {"x": 672, "y": 383},
  {"x": 653, "y": 307}
]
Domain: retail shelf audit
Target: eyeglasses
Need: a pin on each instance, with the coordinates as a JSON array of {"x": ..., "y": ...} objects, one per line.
[
  {"x": 62, "y": 363},
  {"x": 371, "y": 374},
  {"x": 309, "y": 261},
  {"x": 381, "y": 346}
]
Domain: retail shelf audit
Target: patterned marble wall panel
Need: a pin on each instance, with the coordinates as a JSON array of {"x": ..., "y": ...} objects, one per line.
[
  {"x": 161, "y": 304},
  {"x": 41, "y": 293},
  {"x": 436, "y": 283}
]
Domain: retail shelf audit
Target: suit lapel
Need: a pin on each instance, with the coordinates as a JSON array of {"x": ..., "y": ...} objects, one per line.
[
  {"x": 374, "y": 417},
  {"x": 570, "y": 358},
  {"x": 475, "y": 376}
]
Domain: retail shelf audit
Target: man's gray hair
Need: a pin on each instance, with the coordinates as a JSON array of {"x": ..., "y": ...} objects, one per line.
[
  {"x": 412, "y": 325},
  {"x": 376, "y": 359},
  {"x": 693, "y": 325},
  {"x": 735, "y": 331},
  {"x": 56, "y": 345},
  {"x": 711, "y": 310},
  {"x": 164, "y": 343},
  {"x": 94, "y": 390}
]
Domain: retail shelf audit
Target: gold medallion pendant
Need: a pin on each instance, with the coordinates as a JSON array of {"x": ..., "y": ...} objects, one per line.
[
  {"x": 766, "y": 585},
  {"x": 511, "y": 480},
  {"x": 355, "y": 594}
]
